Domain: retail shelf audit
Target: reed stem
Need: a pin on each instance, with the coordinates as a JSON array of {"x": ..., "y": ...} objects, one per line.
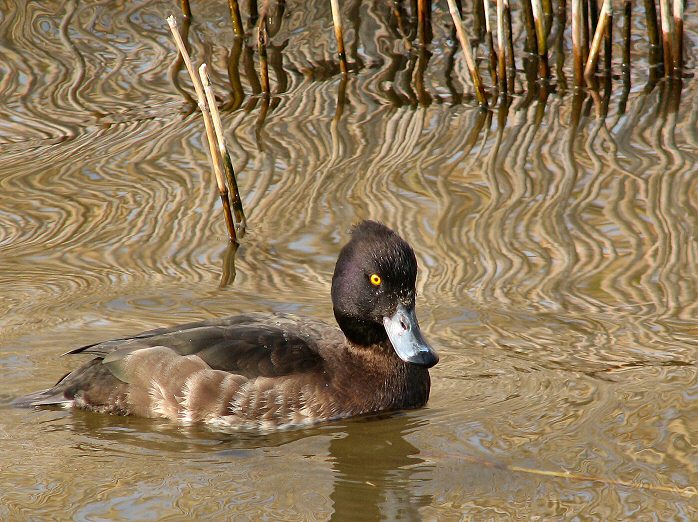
[
  {"x": 608, "y": 44},
  {"x": 201, "y": 100},
  {"x": 655, "y": 55},
  {"x": 422, "y": 6},
  {"x": 530, "y": 26},
  {"x": 627, "y": 12},
  {"x": 585, "y": 29},
  {"x": 542, "y": 40},
  {"x": 509, "y": 38},
  {"x": 236, "y": 202},
  {"x": 339, "y": 35},
  {"x": 667, "y": 36},
  {"x": 215, "y": 157},
  {"x": 548, "y": 16},
  {"x": 186, "y": 9},
  {"x": 500, "y": 47},
  {"x": 604, "y": 19},
  {"x": 238, "y": 29},
  {"x": 467, "y": 52},
  {"x": 490, "y": 43},
  {"x": 561, "y": 16},
  {"x": 678, "y": 37},
  {"x": 577, "y": 42}
]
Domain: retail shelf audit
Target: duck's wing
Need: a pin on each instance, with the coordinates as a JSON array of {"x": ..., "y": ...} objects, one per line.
[
  {"x": 254, "y": 345},
  {"x": 202, "y": 370}
]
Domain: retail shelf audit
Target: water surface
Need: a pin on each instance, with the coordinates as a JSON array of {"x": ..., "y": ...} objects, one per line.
[{"x": 557, "y": 254}]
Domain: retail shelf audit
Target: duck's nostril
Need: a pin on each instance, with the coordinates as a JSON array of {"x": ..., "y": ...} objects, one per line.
[{"x": 404, "y": 325}]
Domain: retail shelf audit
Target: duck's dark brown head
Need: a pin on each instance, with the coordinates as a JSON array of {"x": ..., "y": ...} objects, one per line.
[{"x": 373, "y": 293}]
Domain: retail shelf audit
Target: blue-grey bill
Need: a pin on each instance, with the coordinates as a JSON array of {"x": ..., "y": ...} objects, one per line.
[{"x": 406, "y": 337}]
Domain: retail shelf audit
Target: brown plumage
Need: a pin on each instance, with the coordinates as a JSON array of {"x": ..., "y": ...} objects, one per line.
[{"x": 273, "y": 370}]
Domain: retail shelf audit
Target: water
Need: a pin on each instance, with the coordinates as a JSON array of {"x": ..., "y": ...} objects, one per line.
[{"x": 557, "y": 256}]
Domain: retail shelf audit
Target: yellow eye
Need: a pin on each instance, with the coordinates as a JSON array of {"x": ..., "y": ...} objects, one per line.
[{"x": 375, "y": 279}]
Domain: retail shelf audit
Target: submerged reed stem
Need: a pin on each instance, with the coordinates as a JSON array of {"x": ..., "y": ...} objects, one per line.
[
  {"x": 467, "y": 52},
  {"x": 339, "y": 35}
]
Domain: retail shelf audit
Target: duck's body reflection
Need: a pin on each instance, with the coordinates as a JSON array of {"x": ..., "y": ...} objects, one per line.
[{"x": 374, "y": 468}]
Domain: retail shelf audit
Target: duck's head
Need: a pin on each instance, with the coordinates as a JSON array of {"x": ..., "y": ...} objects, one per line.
[{"x": 373, "y": 293}]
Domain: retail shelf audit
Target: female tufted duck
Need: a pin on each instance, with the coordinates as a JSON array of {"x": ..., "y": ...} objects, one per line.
[{"x": 273, "y": 370}]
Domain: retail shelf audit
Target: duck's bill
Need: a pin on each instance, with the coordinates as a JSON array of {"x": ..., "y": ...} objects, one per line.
[{"x": 406, "y": 337}]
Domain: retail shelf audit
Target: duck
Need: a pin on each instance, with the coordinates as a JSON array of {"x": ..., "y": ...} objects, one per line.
[{"x": 268, "y": 371}]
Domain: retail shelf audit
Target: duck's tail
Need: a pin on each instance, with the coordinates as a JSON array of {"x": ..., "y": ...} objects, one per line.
[{"x": 49, "y": 397}]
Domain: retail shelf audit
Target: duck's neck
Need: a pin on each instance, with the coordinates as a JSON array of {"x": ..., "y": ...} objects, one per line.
[{"x": 362, "y": 333}]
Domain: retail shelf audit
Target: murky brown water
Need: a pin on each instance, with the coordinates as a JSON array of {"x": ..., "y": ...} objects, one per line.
[{"x": 558, "y": 269}]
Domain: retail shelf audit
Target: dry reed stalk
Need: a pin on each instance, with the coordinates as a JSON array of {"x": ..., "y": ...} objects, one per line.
[
  {"x": 186, "y": 9},
  {"x": 678, "y": 37},
  {"x": 177, "y": 64},
  {"x": 542, "y": 40},
  {"x": 236, "y": 201},
  {"x": 601, "y": 27},
  {"x": 577, "y": 42},
  {"x": 262, "y": 41},
  {"x": 666, "y": 36},
  {"x": 201, "y": 99},
  {"x": 237, "y": 19},
  {"x": 500, "y": 47},
  {"x": 689, "y": 491},
  {"x": 490, "y": 43},
  {"x": 339, "y": 35},
  {"x": 467, "y": 52}
]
